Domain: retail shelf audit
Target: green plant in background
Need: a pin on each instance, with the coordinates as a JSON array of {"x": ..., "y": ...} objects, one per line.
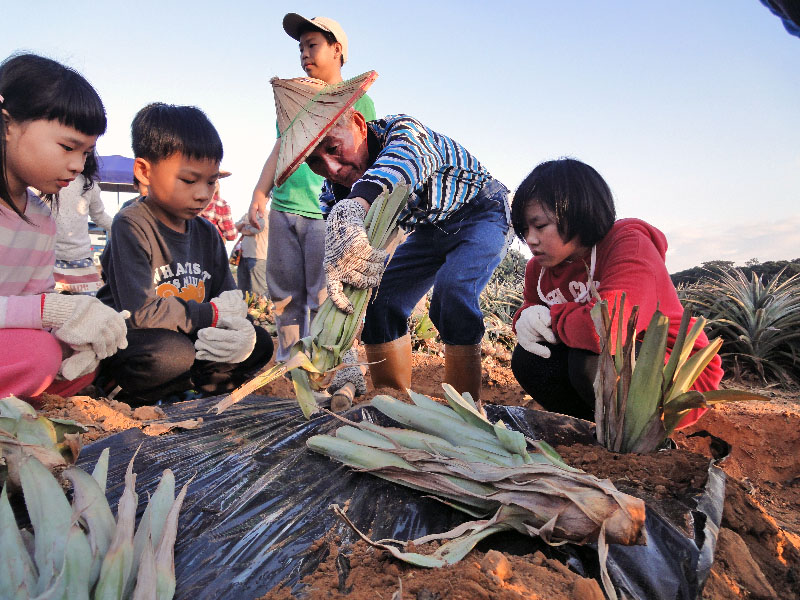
[
  {"x": 78, "y": 551},
  {"x": 641, "y": 399},
  {"x": 758, "y": 322},
  {"x": 423, "y": 331},
  {"x": 55, "y": 442},
  {"x": 500, "y": 300}
]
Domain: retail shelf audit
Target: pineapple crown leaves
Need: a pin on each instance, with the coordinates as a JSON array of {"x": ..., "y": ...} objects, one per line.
[
  {"x": 640, "y": 400},
  {"x": 79, "y": 550}
]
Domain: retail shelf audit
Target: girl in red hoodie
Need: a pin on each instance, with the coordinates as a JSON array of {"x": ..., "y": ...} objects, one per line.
[{"x": 564, "y": 212}]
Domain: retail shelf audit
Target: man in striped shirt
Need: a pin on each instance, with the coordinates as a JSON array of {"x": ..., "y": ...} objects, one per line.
[{"x": 459, "y": 222}]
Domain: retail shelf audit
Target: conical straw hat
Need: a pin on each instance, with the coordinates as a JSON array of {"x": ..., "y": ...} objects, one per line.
[{"x": 307, "y": 109}]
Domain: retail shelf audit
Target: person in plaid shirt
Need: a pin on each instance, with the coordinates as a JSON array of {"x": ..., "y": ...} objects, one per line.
[{"x": 219, "y": 213}]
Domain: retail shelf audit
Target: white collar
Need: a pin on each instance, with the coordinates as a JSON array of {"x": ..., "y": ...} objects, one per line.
[{"x": 584, "y": 294}]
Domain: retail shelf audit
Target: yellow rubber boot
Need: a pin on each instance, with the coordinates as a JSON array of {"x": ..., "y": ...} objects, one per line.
[
  {"x": 462, "y": 369},
  {"x": 393, "y": 363}
]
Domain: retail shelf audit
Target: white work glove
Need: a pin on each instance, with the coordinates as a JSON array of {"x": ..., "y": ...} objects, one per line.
[
  {"x": 81, "y": 320},
  {"x": 349, "y": 258},
  {"x": 81, "y": 362},
  {"x": 533, "y": 326},
  {"x": 230, "y": 305},
  {"x": 231, "y": 341},
  {"x": 349, "y": 375}
]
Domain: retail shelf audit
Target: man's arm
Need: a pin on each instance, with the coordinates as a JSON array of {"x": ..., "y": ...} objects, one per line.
[{"x": 410, "y": 156}]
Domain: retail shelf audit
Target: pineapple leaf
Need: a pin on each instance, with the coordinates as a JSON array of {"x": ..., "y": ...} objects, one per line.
[{"x": 645, "y": 388}]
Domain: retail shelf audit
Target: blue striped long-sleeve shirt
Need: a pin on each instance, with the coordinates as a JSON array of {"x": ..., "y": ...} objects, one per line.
[{"x": 443, "y": 176}]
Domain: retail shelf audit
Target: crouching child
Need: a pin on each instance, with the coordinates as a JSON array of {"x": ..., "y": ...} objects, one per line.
[{"x": 188, "y": 328}]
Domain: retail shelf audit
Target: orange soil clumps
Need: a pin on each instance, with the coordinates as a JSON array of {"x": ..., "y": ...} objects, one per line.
[
  {"x": 361, "y": 572},
  {"x": 103, "y": 417}
]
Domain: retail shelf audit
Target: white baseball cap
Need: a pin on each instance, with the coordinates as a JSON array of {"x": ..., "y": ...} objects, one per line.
[{"x": 293, "y": 24}]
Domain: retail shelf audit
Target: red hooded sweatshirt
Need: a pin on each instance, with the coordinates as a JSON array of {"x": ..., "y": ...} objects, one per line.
[{"x": 630, "y": 259}]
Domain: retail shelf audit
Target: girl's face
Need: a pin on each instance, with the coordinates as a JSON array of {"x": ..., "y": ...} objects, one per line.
[
  {"x": 46, "y": 155},
  {"x": 542, "y": 236}
]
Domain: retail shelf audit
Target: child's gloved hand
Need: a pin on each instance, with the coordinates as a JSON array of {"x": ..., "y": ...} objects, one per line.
[
  {"x": 81, "y": 362},
  {"x": 349, "y": 257},
  {"x": 229, "y": 305},
  {"x": 81, "y": 320},
  {"x": 533, "y": 326},
  {"x": 231, "y": 341}
]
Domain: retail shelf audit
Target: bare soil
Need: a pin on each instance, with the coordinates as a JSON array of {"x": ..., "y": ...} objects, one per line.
[{"x": 758, "y": 551}]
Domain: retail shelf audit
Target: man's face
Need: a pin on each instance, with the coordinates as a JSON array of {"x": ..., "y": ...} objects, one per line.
[
  {"x": 342, "y": 156},
  {"x": 179, "y": 188},
  {"x": 318, "y": 58}
]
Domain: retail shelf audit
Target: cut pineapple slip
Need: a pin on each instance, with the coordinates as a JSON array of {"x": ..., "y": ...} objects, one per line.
[{"x": 315, "y": 357}]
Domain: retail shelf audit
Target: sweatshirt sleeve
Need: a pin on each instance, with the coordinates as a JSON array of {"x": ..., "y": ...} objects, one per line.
[
  {"x": 97, "y": 210},
  {"x": 409, "y": 156},
  {"x": 630, "y": 267},
  {"x": 130, "y": 280},
  {"x": 21, "y": 312}
]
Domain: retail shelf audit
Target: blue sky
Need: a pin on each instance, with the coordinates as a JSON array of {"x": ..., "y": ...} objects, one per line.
[{"x": 689, "y": 109}]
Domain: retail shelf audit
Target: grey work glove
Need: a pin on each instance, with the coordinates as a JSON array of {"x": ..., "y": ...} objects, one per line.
[
  {"x": 349, "y": 257},
  {"x": 231, "y": 341},
  {"x": 352, "y": 375},
  {"x": 230, "y": 305},
  {"x": 81, "y": 320},
  {"x": 81, "y": 362},
  {"x": 533, "y": 326}
]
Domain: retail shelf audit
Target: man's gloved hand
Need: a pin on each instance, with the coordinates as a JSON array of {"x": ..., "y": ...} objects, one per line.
[
  {"x": 230, "y": 305},
  {"x": 231, "y": 341},
  {"x": 352, "y": 375},
  {"x": 533, "y": 326},
  {"x": 81, "y": 362},
  {"x": 349, "y": 258},
  {"x": 81, "y": 320}
]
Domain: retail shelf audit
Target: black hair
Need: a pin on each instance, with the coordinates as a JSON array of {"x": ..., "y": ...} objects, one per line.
[
  {"x": 34, "y": 87},
  {"x": 329, "y": 37},
  {"x": 572, "y": 191},
  {"x": 160, "y": 130}
]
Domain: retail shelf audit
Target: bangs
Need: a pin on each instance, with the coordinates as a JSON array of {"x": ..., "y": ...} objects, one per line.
[
  {"x": 160, "y": 130},
  {"x": 77, "y": 105}
]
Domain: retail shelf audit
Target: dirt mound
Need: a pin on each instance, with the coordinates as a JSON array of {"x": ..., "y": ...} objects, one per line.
[
  {"x": 758, "y": 552},
  {"x": 105, "y": 417},
  {"x": 360, "y": 572}
]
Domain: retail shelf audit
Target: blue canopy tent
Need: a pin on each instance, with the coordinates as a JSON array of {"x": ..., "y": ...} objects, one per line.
[{"x": 116, "y": 174}]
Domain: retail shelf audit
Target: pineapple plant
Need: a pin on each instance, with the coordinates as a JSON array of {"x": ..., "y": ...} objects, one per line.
[
  {"x": 507, "y": 481},
  {"x": 641, "y": 399},
  {"x": 54, "y": 442},
  {"x": 314, "y": 358},
  {"x": 79, "y": 550}
]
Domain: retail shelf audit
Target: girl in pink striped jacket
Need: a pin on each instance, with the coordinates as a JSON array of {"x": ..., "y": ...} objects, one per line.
[{"x": 51, "y": 119}]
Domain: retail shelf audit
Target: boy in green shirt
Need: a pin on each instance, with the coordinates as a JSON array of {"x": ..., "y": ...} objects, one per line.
[{"x": 295, "y": 277}]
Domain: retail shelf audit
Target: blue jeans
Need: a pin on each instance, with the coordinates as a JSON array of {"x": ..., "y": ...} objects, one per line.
[
  {"x": 251, "y": 276},
  {"x": 457, "y": 257}
]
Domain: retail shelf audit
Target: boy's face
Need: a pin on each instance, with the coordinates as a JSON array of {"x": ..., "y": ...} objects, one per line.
[
  {"x": 320, "y": 59},
  {"x": 179, "y": 188},
  {"x": 343, "y": 155},
  {"x": 545, "y": 242}
]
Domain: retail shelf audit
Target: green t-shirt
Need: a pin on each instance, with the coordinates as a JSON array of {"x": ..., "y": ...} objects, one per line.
[{"x": 299, "y": 195}]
